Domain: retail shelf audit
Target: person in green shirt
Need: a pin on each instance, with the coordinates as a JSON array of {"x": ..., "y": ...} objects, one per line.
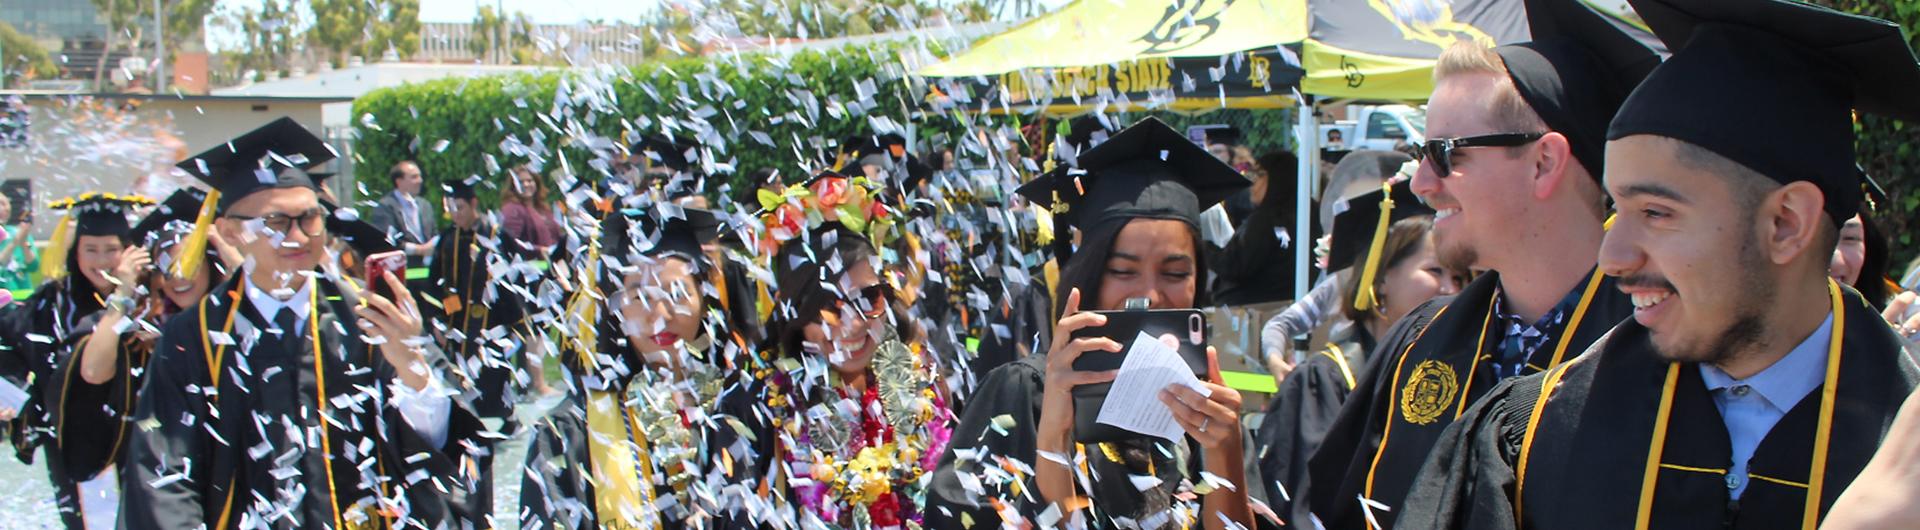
[{"x": 17, "y": 260}]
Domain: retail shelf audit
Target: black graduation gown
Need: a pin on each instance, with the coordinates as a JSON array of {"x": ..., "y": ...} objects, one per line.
[
  {"x": 218, "y": 459},
  {"x": 1302, "y": 410},
  {"x": 1255, "y": 266},
  {"x": 1587, "y": 459},
  {"x": 469, "y": 310},
  {"x": 557, "y": 491},
  {"x": 91, "y": 422},
  {"x": 57, "y": 309},
  {"x": 1420, "y": 379},
  {"x": 1014, "y": 390}
]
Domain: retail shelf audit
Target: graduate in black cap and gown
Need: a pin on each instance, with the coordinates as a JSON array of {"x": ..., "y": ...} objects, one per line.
[
  {"x": 1749, "y": 388},
  {"x": 290, "y": 397},
  {"x": 478, "y": 321},
  {"x": 1386, "y": 271},
  {"x": 97, "y": 386},
  {"x": 1512, "y": 168},
  {"x": 473, "y": 314},
  {"x": 77, "y": 265},
  {"x": 1135, "y": 200},
  {"x": 663, "y": 426}
]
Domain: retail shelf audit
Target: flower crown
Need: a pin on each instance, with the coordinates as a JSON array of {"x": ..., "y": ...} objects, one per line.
[{"x": 827, "y": 197}]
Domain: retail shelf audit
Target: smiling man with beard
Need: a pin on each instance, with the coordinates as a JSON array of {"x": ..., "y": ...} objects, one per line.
[
  {"x": 1512, "y": 168},
  {"x": 1749, "y": 389}
]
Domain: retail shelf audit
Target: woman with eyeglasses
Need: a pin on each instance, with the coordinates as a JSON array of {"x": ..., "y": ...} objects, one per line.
[
  {"x": 1135, "y": 201},
  {"x": 99, "y": 387},
  {"x": 864, "y": 408},
  {"x": 78, "y": 284},
  {"x": 660, "y": 430}
]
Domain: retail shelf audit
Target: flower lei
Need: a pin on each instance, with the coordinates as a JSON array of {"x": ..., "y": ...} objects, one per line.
[{"x": 901, "y": 434}]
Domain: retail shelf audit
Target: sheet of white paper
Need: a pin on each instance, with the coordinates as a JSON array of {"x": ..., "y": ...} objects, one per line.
[
  {"x": 100, "y": 500},
  {"x": 1134, "y": 401},
  {"x": 1216, "y": 226},
  {"x": 12, "y": 396}
]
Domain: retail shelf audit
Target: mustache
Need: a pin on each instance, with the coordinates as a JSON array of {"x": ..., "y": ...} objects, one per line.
[{"x": 1645, "y": 281}]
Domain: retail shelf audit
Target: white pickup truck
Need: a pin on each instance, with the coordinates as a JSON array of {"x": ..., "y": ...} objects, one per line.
[{"x": 1380, "y": 127}]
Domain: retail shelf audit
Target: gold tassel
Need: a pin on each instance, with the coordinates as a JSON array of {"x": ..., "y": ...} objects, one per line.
[
  {"x": 1366, "y": 299},
  {"x": 193, "y": 250},
  {"x": 53, "y": 257}
]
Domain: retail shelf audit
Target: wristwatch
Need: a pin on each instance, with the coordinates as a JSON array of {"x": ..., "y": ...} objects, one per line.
[{"x": 121, "y": 302}]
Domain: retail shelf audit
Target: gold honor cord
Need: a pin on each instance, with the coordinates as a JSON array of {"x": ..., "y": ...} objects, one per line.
[
  {"x": 1822, "y": 434},
  {"x": 1339, "y": 357}
]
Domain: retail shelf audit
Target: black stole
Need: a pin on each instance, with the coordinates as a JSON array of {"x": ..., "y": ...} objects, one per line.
[
  {"x": 1587, "y": 457},
  {"x": 1449, "y": 367}
]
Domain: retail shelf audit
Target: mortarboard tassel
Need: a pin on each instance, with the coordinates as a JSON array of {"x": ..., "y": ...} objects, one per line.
[
  {"x": 53, "y": 257},
  {"x": 1365, "y": 299},
  {"x": 193, "y": 249}
]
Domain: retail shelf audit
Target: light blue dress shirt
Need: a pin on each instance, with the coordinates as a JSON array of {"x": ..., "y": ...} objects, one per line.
[{"x": 1753, "y": 405}]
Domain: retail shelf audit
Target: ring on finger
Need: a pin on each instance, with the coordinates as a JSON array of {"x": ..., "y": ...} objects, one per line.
[{"x": 1204, "y": 422}]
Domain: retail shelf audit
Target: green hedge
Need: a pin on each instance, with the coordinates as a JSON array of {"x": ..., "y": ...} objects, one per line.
[
  {"x": 1889, "y": 148},
  {"x": 468, "y": 119}
]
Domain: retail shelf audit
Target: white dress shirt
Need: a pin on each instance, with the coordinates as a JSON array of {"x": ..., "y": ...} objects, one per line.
[{"x": 427, "y": 410}]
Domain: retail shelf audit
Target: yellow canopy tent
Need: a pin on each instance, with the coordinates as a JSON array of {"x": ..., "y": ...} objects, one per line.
[{"x": 1139, "y": 53}]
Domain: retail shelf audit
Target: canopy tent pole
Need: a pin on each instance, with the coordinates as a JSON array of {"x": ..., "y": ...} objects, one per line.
[{"x": 1306, "y": 127}]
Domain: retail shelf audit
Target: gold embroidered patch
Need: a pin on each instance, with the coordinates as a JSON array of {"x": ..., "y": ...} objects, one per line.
[{"x": 1428, "y": 392}]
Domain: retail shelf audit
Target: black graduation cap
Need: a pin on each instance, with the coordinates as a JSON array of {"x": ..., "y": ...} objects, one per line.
[
  {"x": 658, "y": 230},
  {"x": 1354, "y": 228},
  {"x": 101, "y": 214},
  {"x": 1772, "y": 85},
  {"x": 275, "y": 155},
  {"x": 460, "y": 188},
  {"x": 671, "y": 153},
  {"x": 183, "y": 206},
  {"x": 1147, "y": 170},
  {"x": 1576, "y": 71},
  {"x": 890, "y": 152},
  {"x": 361, "y": 236},
  {"x": 1226, "y": 134}
]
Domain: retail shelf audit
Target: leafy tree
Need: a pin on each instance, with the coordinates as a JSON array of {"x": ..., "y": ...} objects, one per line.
[
  {"x": 119, "y": 16},
  {"x": 366, "y": 27},
  {"x": 272, "y": 36},
  {"x": 24, "y": 58}
]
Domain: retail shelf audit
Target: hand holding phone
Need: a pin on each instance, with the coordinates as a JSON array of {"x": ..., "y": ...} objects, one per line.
[{"x": 379, "y": 266}]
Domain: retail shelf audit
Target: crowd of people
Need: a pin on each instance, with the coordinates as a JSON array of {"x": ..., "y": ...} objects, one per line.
[{"x": 1604, "y": 293}]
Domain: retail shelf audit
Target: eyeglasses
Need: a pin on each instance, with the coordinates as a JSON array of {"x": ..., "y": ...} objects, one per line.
[
  {"x": 312, "y": 223},
  {"x": 1440, "y": 150}
]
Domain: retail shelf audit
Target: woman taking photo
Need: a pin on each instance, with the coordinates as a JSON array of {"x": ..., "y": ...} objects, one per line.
[
  {"x": 1385, "y": 275},
  {"x": 661, "y": 402},
  {"x": 867, "y": 409},
  {"x": 1136, "y": 206}
]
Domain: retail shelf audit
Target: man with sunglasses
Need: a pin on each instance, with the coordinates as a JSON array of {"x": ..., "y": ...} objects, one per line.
[
  {"x": 289, "y": 397},
  {"x": 1512, "y": 167}
]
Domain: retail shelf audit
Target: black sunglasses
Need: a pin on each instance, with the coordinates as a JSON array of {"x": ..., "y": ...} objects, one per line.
[
  {"x": 1440, "y": 150},
  {"x": 869, "y": 300}
]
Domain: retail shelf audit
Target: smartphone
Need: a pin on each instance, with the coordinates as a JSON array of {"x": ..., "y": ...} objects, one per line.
[
  {"x": 380, "y": 266},
  {"x": 1186, "y": 327}
]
